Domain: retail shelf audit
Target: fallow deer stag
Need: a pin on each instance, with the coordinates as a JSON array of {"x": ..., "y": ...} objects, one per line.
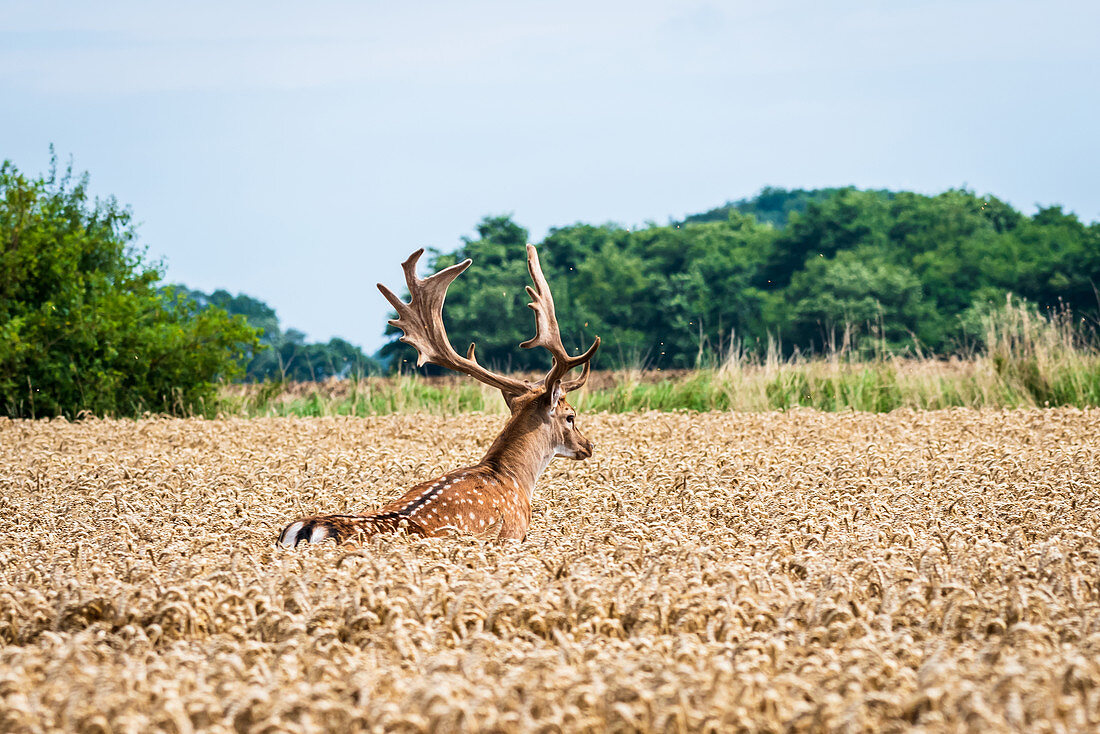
[{"x": 492, "y": 498}]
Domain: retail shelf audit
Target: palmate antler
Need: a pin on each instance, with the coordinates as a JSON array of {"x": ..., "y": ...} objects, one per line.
[
  {"x": 493, "y": 497},
  {"x": 421, "y": 323},
  {"x": 547, "y": 335}
]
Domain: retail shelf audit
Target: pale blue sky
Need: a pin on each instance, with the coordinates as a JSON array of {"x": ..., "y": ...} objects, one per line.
[{"x": 298, "y": 152}]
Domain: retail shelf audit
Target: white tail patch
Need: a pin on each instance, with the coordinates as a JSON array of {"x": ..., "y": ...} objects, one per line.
[{"x": 291, "y": 532}]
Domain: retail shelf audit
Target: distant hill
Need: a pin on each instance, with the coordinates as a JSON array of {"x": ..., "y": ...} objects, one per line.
[{"x": 772, "y": 205}]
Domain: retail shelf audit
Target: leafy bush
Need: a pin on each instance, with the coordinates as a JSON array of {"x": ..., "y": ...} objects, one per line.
[{"x": 83, "y": 323}]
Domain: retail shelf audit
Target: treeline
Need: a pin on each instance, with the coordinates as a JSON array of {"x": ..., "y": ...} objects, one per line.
[
  {"x": 285, "y": 354},
  {"x": 87, "y": 325},
  {"x": 808, "y": 270}
]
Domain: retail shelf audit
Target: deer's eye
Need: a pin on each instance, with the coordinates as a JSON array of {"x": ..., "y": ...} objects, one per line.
[{"x": 569, "y": 419}]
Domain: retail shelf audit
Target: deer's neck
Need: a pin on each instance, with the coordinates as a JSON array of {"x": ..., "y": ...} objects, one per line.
[{"x": 521, "y": 452}]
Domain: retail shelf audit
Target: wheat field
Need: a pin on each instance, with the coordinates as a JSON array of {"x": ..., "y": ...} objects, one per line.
[{"x": 784, "y": 571}]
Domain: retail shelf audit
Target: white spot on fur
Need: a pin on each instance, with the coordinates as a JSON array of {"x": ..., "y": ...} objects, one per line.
[{"x": 319, "y": 534}]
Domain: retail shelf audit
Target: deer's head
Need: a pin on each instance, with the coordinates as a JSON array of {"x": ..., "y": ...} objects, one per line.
[
  {"x": 548, "y": 414},
  {"x": 539, "y": 409}
]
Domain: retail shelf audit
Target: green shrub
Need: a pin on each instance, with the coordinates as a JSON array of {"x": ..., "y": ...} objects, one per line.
[{"x": 84, "y": 325}]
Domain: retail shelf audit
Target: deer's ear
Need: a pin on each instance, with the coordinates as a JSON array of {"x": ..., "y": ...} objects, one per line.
[{"x": 553, "y": 395}]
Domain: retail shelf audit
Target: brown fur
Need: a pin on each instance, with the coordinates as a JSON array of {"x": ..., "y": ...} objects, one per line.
[{"x": 491, "y": 499}]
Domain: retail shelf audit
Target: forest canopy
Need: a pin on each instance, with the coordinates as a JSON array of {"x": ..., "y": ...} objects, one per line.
[
  {"x": 284, "y": 354},
  {"x": 804, "y": 269}
]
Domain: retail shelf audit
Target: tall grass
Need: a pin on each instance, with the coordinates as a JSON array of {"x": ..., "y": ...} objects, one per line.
[
  {"x": 1023, "y": 358},
  {"x": 362, "y": 397},
  {"x": 1053, "y": 359}
]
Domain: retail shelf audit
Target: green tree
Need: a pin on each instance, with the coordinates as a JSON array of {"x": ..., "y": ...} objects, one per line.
[
  {"x": 287, "y": 356},
  {"x": 1057, "y": 261},
  {"x": 853, "y": 289},
  {"x": 906, "y": 266},
  {"x": 848, "y": 219},
  {"x": 487, "y": 303},
  {"x": 772, "y": 206},
  {"x": 659, "y": 296},
  {"x": 83, "y": 323}
]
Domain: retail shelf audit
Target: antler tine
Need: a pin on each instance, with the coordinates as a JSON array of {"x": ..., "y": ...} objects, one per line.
[
  {"x": 421, "y": 323},
  {"x": 577, "y": 384},
  {"x": 547, "y": 334}
]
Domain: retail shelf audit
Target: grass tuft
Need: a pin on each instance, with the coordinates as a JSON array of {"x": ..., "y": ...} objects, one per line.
[{"x": 1025, "y": 359}]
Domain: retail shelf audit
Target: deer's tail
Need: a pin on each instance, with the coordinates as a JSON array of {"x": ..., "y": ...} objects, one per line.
[{"x": 320, "y": 528}]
